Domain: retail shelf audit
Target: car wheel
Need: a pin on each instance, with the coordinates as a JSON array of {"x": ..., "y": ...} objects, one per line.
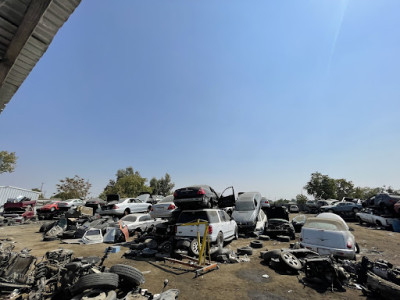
[
  {"x": 96, "y": 295},
  {"x": 359, "y": 220},
  {"x": 245, "y": 250},
  {"x": 126, "y": 212},
  {"x": 194, "y": 248},
  {"x": 128, "y": 276},
  {"x": 236, "y": 233},
  {"x": 220, "y": 240},
  {"x": 271, "y": 254},
  {"x": 357, "y": 249},
  {"x": 290, "y": 260},
  {"x": 52, "y": 209},
  {"x": 355, "y": 210},
  {"x": 182, "y": 244},
  {"x": 256, "y": 244}
]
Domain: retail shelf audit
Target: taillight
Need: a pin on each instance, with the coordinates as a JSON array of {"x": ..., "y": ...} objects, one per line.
[
  {"x": 115, "y": 207},
  {"x": 349, "y": 244},
  {"x": 175, "y": 194},
  {"x": 209, "y": 229},
  {"x": 171, "y": 206},
  {"x": 201, "y": 192}
]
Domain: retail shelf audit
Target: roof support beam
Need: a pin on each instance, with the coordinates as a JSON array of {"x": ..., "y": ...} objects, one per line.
[{"x": 34, "y": 12}]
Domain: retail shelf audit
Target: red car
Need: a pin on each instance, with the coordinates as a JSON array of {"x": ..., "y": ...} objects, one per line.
[{"x": 48, "y": 210}]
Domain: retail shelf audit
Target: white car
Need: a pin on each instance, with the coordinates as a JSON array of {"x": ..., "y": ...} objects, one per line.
[
  {"x": 70, "y": 203},
  {"x": 265, "y": 203},
  {"x": 139, "y": 222},
  {"x": 328, "y": 236},
  {"x": 293, "y": 209},
  {"x": 368, "y": 216},
  {"x": 125, "y": 207},
  {"x": 221, "y": 227},
  {"x": 164, "y": 208}
]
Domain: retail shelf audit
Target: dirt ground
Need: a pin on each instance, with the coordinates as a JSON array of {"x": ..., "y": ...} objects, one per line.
[{"x": 232, "y": 281}]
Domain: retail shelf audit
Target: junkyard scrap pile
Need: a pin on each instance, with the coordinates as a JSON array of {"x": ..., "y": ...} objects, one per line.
[{"x": 200, "y": 243}]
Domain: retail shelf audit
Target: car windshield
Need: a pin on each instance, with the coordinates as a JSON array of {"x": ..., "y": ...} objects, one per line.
[
  {"x": 92, "y": 232},
  {"x": 143, "y": 197},
  {"x": 245, "y": 205},
  {"x": 325, "y": 225}
]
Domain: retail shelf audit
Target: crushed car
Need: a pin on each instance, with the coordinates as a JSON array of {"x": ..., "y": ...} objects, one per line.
[{"x": 278, "y": 223}]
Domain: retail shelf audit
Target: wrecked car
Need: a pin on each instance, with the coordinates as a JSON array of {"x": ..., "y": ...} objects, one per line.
[
  {"x": 202, "y": 196},
  {"x": 278, "y": 222},
  {"x": 246, "y": 213},
  {"x": 20, "y": 209},
  {"x": 69, "y": 204},
  {"x": 125, "y": 207},
  {"x": 139, "y": 222},
  {"x": 221, "y": 228},
  {"x": 165, "y": 208},
  {"x": 327, "y": 236},
  {"x": 49, "y": 210},
  {"x": 369, "y": 216}
]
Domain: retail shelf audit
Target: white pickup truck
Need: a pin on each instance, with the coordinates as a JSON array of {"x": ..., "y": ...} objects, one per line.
[
  {"x": 368, "y": 216},
  {"x": 221, "y": 227}
]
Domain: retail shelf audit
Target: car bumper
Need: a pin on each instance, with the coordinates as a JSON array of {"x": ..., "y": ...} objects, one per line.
[
  {"x": 343, "y": 253},
  {"x": 161, "y": 214},
  {"x": 111, "y": 212}
]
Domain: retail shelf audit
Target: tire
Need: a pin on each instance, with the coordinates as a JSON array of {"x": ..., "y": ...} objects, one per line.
[
  {"x": 378, "y": 223},
  {"x": 194, "y": 248},
  {"x": 359, "y": 221},
  {"x": 165, "y": 247},
  {"x": 220, "y": 240},
  {"x": 103, "y": 281},
  {"x": 290, "y": 261},
  {"x": 357, "y": 249},
  {"x": 245, "y": 250},
  {"x": 264, "y": 237},
  {"x": 126, "y": 212},
  {"x": 271, "y": 254},
  {"x": 236, "y": 233},
  {"x": 52, "y": 209},
  {"x": 355, "y": 210},
  {"x": 128, "y": 276},
  {"x": 256, "y": 244}
]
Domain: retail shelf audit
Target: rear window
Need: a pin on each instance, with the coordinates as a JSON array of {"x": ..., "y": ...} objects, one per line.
[
  {"x": 192, "y": 216},
  {"x": 169, "y": 198},
  {"x": 129, "y": 218},
  {"x": 324, "y": 225}
]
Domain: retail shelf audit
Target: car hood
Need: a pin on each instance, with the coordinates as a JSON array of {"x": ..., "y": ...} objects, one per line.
[{"x": 244, "y": 216}]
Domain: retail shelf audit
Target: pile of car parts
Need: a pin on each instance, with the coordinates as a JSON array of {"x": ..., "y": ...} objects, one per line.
[{"x": 59, "y": 275}]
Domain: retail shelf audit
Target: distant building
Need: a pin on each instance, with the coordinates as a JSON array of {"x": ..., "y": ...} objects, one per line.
[{"x": 7, "y": 192}]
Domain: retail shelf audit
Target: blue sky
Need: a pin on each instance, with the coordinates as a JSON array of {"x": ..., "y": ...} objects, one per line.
[{"x": 254, "y": 94}]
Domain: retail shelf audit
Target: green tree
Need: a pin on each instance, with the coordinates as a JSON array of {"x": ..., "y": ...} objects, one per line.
[
  {"x": 321, "y": 186},
  {"x": 8, "y": 161},
  {"x": 162, "y": 186},
  {"x": 154, "y": 184},
  {"x": 301, "y": 199},
  {"x": 344, "y": 188},
  {"x": 75, "y": 187},
  {"x": 128, "y": 183}
]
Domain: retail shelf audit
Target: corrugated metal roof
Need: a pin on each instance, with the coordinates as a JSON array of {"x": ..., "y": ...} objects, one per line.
[
  {"x": 7, "y": 192},
  {"x": 16, "y": 17}
]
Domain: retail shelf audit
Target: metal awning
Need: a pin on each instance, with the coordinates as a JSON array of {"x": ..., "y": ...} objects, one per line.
[{"x": 27, "y": 28}]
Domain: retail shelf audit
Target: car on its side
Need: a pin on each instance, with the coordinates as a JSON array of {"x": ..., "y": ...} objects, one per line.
[
  {"x": 248, "y": 206},
  {"x": 125, "y": 206},
  {"x": 165, "y": 208},
  {"x": 70, "y": 204},
  {"x": 221, "y": 227},
  {"x": 202, "y": 196},
  {"x": 328, "y": 236},
  {"x": 140, "y": 222}
]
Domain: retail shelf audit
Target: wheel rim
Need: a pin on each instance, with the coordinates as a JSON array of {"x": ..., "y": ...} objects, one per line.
[
  {"x": 291, "y": 260},
  {"x": 195, "y": 247}
]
